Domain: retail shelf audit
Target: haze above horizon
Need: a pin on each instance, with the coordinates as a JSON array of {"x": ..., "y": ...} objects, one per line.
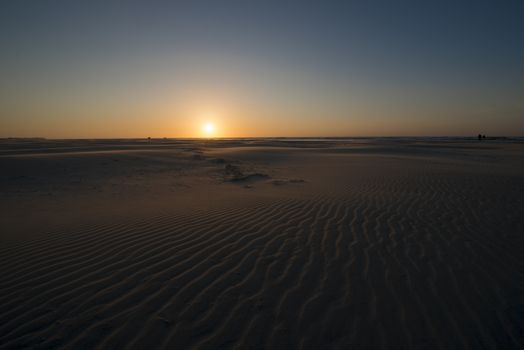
[{"x": 101, "y": 69}]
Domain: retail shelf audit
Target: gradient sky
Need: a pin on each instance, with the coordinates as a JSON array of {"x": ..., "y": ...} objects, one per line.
[{"x": 72, "y": 69}]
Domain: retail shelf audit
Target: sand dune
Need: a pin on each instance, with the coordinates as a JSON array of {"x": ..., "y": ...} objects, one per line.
[{"x": 366, "y": 245}]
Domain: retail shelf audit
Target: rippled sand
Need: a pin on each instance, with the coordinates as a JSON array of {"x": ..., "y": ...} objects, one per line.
[{"x": 276, "y": 244}]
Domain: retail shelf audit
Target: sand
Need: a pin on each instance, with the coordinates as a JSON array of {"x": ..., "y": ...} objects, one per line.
[{"x": 275, "y": 244}]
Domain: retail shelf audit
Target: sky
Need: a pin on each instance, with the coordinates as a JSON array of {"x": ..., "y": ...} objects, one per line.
[{"x": 111, "y": 69}]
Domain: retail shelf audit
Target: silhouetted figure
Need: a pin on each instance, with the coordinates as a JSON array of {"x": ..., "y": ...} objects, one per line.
[
  {"x": 480, "y": 137},
  {"x": 484, "y": 137}
]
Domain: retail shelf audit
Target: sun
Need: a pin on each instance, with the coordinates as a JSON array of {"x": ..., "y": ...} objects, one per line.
[{"x": 208, "y": 128}]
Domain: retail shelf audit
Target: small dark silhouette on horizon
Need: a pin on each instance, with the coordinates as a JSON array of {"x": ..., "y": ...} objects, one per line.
[{"x": 481, "y": 137}]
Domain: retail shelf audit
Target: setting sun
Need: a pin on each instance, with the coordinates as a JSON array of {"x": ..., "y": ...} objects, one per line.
[{"x": 208, "y": 129}]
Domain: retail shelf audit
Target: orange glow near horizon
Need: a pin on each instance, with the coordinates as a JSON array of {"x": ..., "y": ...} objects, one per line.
[{"x": 205, "y": 115}]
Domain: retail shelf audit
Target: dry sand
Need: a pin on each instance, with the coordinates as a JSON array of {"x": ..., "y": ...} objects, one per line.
[{"x": 276, "y": 244}]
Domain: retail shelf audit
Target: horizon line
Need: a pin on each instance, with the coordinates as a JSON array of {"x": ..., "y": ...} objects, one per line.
[{"x": 253, "y": 137}]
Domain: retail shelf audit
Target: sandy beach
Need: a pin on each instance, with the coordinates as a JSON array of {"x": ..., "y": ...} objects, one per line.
[{"x": 262, "y": 244}]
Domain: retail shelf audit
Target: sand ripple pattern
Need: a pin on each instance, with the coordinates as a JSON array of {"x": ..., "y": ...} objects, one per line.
[{"x": 389, "y": 262}]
